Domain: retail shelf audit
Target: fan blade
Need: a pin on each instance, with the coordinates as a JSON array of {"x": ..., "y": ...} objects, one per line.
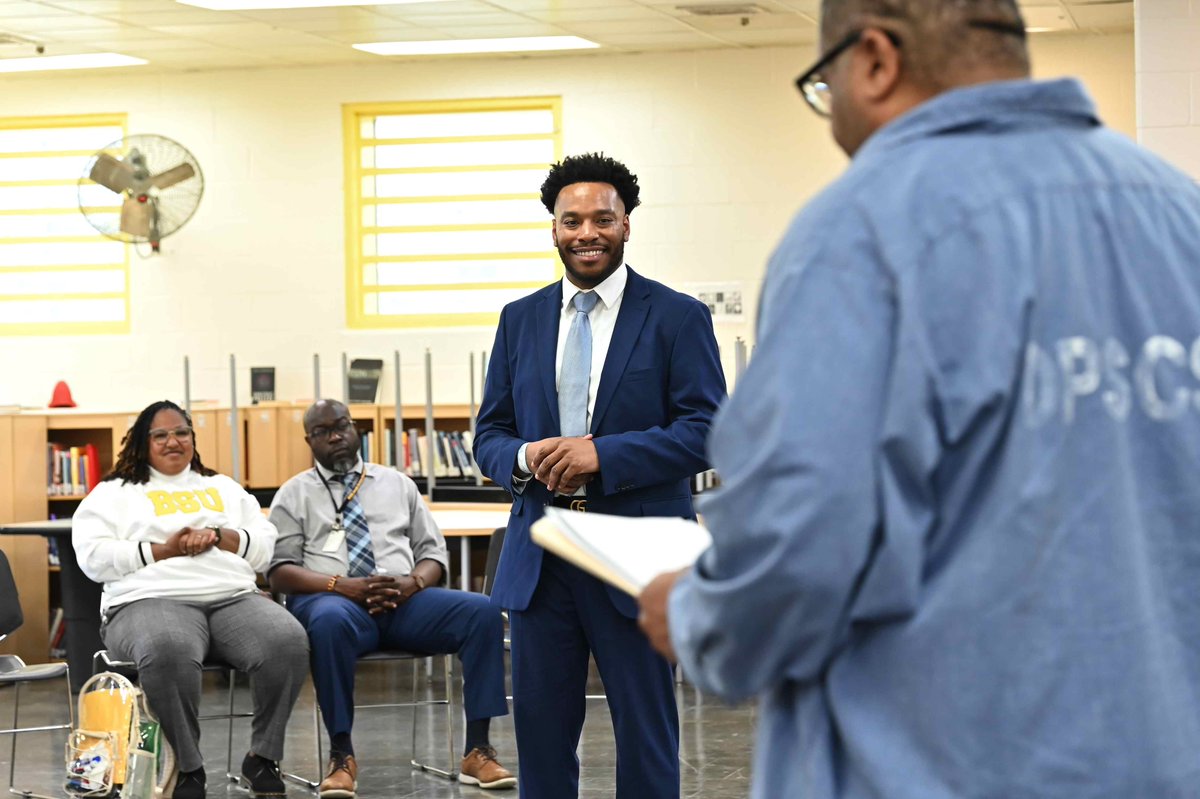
[
  {"x": 112, "y": 174},
  {"x": 135, "y": 217},
  {"x": 172, "y": 176}
]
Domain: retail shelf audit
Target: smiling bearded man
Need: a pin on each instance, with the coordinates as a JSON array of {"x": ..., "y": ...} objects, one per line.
[{"x": 600, "y": 393}]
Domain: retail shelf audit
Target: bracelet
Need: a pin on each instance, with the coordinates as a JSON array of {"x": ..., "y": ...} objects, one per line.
[
  {"x": 419, "y": 580},
  {"x": 216, "y": 530},
  {"x": 332, "y": 582}
]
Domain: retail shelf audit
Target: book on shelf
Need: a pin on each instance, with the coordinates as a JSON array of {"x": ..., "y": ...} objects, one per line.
[
  {"x": 57, "y": 628},
  {"x": 71, "y": 471},
  {"x": 624, "y": 551},
  {"x": 362, "y": 379}
]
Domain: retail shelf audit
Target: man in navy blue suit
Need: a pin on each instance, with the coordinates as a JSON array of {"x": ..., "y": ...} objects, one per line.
[{"x": 600, "y": 393}]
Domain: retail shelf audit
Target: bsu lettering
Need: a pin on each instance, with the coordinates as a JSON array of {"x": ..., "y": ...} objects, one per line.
[{"x": 168, "y": 502}]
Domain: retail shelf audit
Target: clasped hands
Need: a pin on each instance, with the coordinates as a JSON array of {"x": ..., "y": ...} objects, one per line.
[
  {"x": 378, "y": 593},
  {"x": 563, "y": 464},
  {"x": 191, "y": 541}
]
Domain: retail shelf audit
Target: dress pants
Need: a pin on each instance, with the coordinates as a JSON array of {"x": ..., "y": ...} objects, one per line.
[
  {"x": 433, "y": 621},
  {"x": 168, "y": 640},
  {"x": 571, "y": 613}
]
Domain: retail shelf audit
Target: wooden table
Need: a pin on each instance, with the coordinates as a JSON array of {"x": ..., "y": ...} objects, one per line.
[
  {"x": 80, "y": 597},
  {"x": 467, "y": 520}
]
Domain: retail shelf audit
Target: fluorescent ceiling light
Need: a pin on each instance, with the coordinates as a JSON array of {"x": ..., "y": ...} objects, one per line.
[
  {"x": 253, "y": 5},
  {"x": 80, "y": 61},
  {"x": 520, "y": 44}
]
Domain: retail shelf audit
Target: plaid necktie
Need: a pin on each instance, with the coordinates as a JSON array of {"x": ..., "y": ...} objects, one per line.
[
  {"x": 575, "y": 375},
  {"x": 358, "y": 535}
]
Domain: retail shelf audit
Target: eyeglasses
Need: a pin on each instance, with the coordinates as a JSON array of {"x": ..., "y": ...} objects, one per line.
[
  {"x": 159, "y": 435},
  {"x": 341, "y": 427},
  {"x": 812, "y": 84},
  {"x": 815, "y": 89}
]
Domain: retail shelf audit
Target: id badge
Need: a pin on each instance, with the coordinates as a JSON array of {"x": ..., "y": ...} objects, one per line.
[{"x": 333, "y": 541}]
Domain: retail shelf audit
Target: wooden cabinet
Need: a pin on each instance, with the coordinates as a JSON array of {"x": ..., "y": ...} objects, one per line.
[{"x": 23, "y": 498}]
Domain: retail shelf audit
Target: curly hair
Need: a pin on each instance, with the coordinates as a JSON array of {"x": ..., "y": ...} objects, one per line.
[
  {"x": 133, "y": 464},
  {"x": 591, "y": 168}
]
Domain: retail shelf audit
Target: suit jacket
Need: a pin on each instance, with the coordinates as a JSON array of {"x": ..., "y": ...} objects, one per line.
[{"x": 660, "y": 387}]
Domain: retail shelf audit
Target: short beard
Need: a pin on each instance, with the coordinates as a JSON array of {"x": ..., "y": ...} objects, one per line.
[
  {"x": 344, "y": 464},
  {"x": 616, "y": 258}
]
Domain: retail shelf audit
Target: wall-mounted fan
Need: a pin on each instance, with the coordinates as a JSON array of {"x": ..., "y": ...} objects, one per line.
[{"x": 158, "y": 179}]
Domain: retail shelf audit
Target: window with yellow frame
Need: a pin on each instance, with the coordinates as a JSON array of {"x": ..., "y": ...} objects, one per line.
[
  {"x": 57, "y": 274},
  {"x": 443, "y": 221}
]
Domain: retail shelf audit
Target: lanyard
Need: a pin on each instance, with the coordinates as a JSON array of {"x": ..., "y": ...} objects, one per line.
[{"x": 337, "y": 512}]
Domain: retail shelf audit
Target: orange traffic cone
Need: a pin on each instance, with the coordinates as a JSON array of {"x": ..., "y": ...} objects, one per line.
[{"x": 62, "y": 396}]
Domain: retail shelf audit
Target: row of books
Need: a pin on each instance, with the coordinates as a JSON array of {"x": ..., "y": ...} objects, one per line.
[
  {"x": 71, "y": 471},
  {"x": 451, "y": 452}
]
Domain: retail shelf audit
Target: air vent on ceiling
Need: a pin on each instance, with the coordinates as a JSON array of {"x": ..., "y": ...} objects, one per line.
[{"x": 720, "y": 9}]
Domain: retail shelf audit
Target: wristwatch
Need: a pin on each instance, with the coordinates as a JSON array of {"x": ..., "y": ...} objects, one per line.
[{"x": 216, "y": 529}]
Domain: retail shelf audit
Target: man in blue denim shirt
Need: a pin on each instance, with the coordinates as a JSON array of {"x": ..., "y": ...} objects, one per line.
[{"x": 957, "y": 551}]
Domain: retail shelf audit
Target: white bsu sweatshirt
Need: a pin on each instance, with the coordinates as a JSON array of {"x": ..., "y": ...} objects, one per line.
[{"x": 114, "y": 526}]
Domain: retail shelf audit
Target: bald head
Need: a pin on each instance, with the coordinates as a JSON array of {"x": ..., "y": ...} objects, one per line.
[
  {"x": 331, "y": 435},
  {"x": 946, "y": 43},
  {"x": 323, "y": 407}
]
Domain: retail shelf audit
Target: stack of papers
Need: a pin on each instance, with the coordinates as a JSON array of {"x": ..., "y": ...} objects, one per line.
[{"x": 624, "y": 551}]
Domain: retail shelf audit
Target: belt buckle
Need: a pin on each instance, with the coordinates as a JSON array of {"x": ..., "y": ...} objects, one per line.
[{"x": 579, "y": 505}]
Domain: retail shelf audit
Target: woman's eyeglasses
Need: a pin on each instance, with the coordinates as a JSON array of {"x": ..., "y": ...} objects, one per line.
[{"x": 160, "y": 435}]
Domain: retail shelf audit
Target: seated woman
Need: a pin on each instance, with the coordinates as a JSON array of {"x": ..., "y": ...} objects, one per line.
[{"x": 176, "y": 546}]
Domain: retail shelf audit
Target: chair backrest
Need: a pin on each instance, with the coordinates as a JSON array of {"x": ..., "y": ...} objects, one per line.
[
  {"x": 11, "y": 617},
  {"x": 495, "y": 545}
]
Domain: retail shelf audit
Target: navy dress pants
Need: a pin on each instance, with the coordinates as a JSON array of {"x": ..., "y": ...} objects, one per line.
[
  {"x": 569, "y": 615},
  {"x": 434, "y": 621}
]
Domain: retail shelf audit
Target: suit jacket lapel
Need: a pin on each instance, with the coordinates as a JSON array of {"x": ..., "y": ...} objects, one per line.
[
  {"x": 548, "y": 313},
  {"x": 635, "y": 304}
]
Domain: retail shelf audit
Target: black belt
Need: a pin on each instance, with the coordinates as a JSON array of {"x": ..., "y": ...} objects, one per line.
[{"x": 570, "y": 503}]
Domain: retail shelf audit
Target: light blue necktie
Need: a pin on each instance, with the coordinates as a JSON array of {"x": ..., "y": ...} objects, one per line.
[
  {"x": 358, "y": 535},
  {"x": 576, "y": 368}
]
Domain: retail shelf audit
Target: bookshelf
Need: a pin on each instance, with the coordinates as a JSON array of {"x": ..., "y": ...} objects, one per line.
[{"x": 272, "y": 447}]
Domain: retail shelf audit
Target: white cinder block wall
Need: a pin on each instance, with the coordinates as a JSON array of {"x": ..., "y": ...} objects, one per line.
[
  {"x": 1168, "y": 80},
  {"x": 725, "y": 149}
]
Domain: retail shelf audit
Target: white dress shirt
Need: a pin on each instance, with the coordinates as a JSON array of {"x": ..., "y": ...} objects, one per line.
[{"x": 603, "y": 319}]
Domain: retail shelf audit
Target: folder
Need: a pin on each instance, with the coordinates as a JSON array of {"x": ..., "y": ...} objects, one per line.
[{"x": 624, "y": 551}]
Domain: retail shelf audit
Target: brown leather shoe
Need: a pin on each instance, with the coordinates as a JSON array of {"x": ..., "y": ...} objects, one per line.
[
  {"x": 342, "y": 780},
  {"x": 481, "y": 768}
]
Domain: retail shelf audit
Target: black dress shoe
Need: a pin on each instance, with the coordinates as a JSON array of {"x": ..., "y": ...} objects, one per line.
[
  {"x": 262, "y": 776},
  {"x": 190, "y": 785}
]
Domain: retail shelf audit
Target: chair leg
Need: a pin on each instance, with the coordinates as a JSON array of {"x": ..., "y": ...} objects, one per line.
[
  {"x": 296, "y": 778},
  {"x": 16, "y": 730},
  {"x": 12, "y": 757},
  {"x": 449, "y": 773},
  {"x": 229, "y": 775}
]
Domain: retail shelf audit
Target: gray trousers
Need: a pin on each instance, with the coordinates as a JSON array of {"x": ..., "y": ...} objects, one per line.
[{"x": 169, "y": 639}]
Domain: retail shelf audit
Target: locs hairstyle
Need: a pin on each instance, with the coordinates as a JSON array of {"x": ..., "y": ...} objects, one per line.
[
  {"x": 133, "y": 464},
  {"x": 591, "y": 168}
]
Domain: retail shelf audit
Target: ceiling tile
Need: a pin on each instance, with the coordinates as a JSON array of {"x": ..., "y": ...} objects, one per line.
[
  {"x": 1047, "y": 17},
  {"x": 771, "y": 37},
  {"x": 614, "y": 11},
  {"x": 471, "y": 30},
  {"x": 388, "y": 33},
  {"x": 105, "y": 7},
  {"x": 1103, "y": 16},
  {"x": 654, "y": 25}
]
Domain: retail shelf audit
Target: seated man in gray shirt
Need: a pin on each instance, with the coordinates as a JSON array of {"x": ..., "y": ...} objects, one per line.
[{"x": 360, "y": 556}]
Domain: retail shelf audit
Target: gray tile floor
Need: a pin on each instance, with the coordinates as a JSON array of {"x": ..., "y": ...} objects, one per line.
[{"x": 715, "y": 752}]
